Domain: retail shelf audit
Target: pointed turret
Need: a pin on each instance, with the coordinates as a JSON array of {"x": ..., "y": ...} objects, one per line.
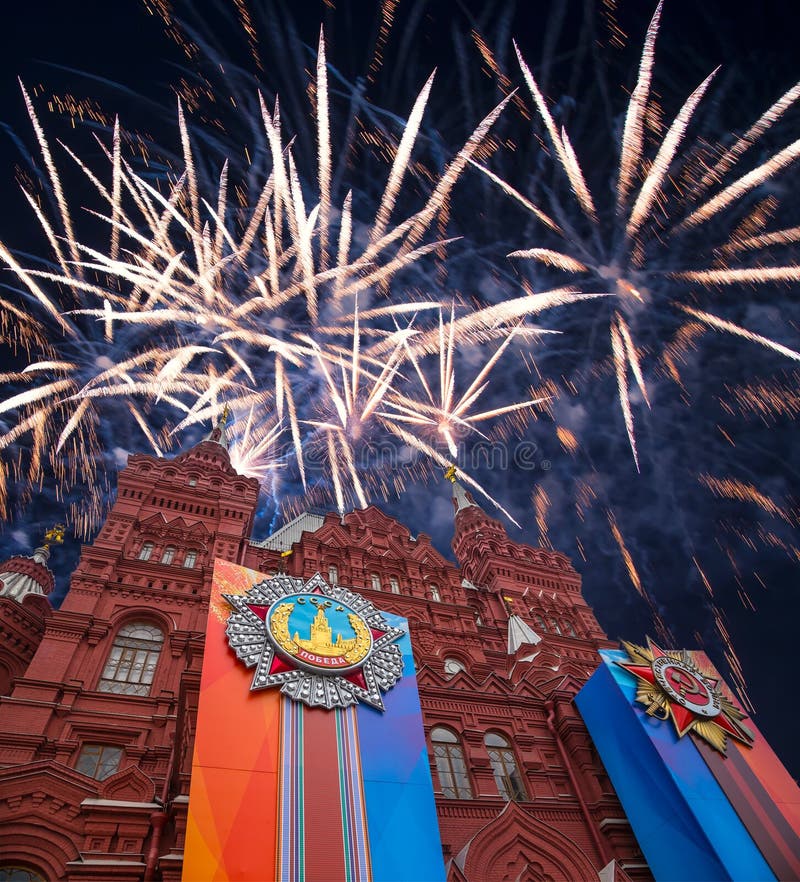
[
  {"x": 462, "y": 498},
  {"x": 541, "y": 582},
  {"x": 473, "y": 527},
  {"x": 218, "y": 433},
  {"x": 21, "y": 576},
  {"x": 213, "y": 448}
]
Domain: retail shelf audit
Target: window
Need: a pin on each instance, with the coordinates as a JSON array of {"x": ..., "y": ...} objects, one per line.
[
  {"x": 504, "y": 767},
  {"x": 132, "y": 660},
  {"x": 5, "y": 680},
  {"x": 453, "y": 666},
  {"x": 168, "y": 556},
  {"x": 435, "y": 593},
  {"x": 333, "y": 575},
  {"x": 556, "y": 627},
  {"x": 450, "y": 765},
  {"x": 147, "y": 550},
  {"x": 9, "y": 873},
  {"x": 541, "y": 624},
  {"x": 190, "y": 560},
  {"x": 568, "y": 628},
  {"x": 98, "y": 761},
  {"x": 394, "y": 585},
  {"x": 192, "y": 482},
  {"x": 376, "y": 582}
]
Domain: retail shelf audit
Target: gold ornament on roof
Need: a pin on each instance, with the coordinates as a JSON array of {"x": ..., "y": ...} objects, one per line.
[{"x": 55, "y": 535}]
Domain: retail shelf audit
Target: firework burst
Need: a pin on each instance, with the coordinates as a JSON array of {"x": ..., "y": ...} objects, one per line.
[
  {"x": 245, "y": 296},
  {"x": 650, "y": 242}
]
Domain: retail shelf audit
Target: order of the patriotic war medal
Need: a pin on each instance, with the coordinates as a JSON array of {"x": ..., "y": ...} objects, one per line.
[
  {"x": 671, "y": 685},
  {"x": 322, "y": 645}
]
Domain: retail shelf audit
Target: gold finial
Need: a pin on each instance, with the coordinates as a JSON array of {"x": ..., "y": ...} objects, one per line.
[
  {"x": 54, "y": 534},
  {"x": 284, "y": 560},
  {"x": 451, "y": 474},
  {"x": 225, "y": 412}
]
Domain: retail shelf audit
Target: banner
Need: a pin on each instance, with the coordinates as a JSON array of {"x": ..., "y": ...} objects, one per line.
[
  {"x": 704, "y": 793},
  {"x": 310, "y": 762}
]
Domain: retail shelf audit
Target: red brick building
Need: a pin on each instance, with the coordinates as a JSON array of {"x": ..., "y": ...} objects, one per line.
[{"x": 99, "y": 697}]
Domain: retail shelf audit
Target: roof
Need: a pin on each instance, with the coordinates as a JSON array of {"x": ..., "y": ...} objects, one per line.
[
  {"x": 462, "y": 498},
  {"x": 283, "y": 538}
]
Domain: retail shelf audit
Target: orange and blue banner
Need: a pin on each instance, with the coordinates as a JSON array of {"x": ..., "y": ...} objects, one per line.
[
  {"x": 293, "y": 793},
  {"x": 697, "y": 814}
]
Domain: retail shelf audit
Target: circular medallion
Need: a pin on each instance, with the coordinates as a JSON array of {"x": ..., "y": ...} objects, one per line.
[
  {"x": 323, "y": 645},
  {"x": 677, "y": 685},
  {"x": 319, "y": 633},
  {"x": 686, "y": 686}
]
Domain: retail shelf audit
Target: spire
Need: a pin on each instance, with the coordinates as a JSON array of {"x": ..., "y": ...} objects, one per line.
[
  {"x": 462, "y": 498},
  {"x": 21, "y": 576},
  {"x": 218, "y": 433}
]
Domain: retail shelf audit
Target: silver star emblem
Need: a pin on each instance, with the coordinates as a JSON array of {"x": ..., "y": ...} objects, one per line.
[{"x": 264, "y": 630}]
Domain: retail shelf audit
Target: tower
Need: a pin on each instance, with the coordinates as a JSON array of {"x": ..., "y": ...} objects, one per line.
[
  {"x": 95, "y": 731},
  {"x": 538, "y": 582},
  {"x": 25, "y": 584}
]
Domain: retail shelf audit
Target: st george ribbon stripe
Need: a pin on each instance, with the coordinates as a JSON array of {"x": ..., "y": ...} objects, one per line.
[
  {"x": 322, "y": 826},
  {"x": 354, "y": 818},
  {"x": 291, "y": 834},
  {"x": 325, "y": 848}
]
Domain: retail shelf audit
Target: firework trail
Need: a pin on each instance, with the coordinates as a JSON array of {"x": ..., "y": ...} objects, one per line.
[
  {"x": 665, "y": 200},
  {"x": 243, "y": 298},
  {"x": 690, "y": 238}
]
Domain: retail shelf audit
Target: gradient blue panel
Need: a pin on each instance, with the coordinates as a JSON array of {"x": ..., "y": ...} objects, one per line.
[
  {"x": 683, "y": 821},
  {"x": 401, "y": 813}
]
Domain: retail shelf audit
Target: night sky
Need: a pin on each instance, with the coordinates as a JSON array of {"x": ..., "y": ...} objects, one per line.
[{"x": 118, "y": 55}]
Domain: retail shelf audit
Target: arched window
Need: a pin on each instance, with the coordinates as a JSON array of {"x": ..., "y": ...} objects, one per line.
[
  {"x": 169, "y": 555},
  {"x": 435, "y": 593},
  {"x": 333, "y": 575},
  {"x": 132, "y": 660},
  {"x": 376, "y": 582},
  {"x": 12, "y": 873},
  {"x": 147, "y": 550},
  {"x": 98, "y": 761},
  {"x": 453, "y": 666},
  {"x": 450, "y": 764},
  {"x": 556, "y": 628},
  {"x": 190, "y": 560},
  {"x": 568, "y": 628},
  {"x": 541, "y": 623},
  {"x": 394, "y": 585},
  {"x": 504, "y": 766},
  {"x": 5, "y": 679}
]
